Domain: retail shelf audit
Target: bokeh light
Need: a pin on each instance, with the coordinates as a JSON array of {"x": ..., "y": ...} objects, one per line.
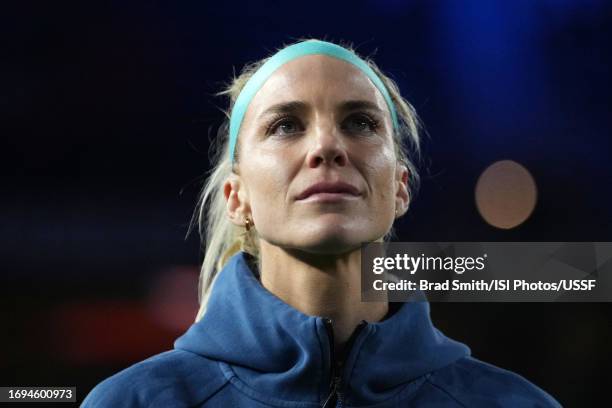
[{"x": 506, "y": 194}]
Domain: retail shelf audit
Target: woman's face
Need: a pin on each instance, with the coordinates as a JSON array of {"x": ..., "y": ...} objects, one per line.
[{"x": 317, "y": 169}]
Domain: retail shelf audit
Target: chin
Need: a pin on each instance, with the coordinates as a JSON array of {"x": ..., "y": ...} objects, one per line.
[
  {"x": 329, "y": 247},
  {"x": 327, "y": 236},
  {"x": 337, "y": 242}
]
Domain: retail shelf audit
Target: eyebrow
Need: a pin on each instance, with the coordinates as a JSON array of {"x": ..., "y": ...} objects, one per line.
[
  {"x": 285, "y": 107},
  {"x": 295, "y": 106},
  {"x": 359, "y": 104}
]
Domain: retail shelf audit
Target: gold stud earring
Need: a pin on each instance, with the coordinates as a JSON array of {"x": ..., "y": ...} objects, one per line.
[{"x": 247, "y": 223}]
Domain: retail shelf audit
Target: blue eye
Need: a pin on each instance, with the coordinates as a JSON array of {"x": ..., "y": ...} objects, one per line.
[
  {"x": 285, "y": 126},
  {"x": 360, "y": 123}
]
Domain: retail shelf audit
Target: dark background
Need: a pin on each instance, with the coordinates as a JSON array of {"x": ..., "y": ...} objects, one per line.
[{"x": 106, "y": 113}]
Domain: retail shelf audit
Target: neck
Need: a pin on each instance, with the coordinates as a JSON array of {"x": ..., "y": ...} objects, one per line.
[{"x": 320, "y": 285}]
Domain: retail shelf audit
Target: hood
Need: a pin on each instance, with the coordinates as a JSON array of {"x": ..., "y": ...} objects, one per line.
[{"x": 278, "y": 352}]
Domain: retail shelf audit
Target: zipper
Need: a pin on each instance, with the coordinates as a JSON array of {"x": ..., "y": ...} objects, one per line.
[{"x": 335, "y": 397}]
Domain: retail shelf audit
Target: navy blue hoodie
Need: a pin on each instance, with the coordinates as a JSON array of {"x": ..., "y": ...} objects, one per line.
[{"x": 253, "y": 350}]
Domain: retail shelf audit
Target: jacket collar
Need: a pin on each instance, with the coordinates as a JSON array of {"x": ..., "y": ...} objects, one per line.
[{"x": 281, "y": 354}]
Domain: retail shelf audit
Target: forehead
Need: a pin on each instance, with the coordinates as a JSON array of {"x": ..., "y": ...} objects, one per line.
[{"x": 314, "y": 79}]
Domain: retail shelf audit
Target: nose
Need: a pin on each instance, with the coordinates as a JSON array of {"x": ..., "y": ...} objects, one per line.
[{"x": 327, "y": 147}]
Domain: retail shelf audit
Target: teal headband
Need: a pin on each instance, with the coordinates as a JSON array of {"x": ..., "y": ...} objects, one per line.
[{"x": 310, "y": 47}]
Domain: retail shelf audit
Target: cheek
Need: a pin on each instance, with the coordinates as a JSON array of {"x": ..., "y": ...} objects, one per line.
[
  {"x": 382, "y": 178},
  {"x": 386, "y": 191},
  {"x": 267, "y": 184}
]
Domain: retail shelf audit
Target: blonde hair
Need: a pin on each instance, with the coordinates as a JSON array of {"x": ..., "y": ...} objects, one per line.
[{"x": 221, "y": 239}]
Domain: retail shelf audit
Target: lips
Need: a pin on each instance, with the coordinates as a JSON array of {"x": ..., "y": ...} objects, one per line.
[{"x": 337, "y": 187}]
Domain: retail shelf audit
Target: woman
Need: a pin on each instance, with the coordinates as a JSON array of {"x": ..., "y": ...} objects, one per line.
[{"x": 313, "y": 163}]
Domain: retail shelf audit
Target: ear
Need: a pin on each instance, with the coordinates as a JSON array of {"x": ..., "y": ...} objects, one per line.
[
  {"x": 402, "y": 196},
  {"x": 237, "y": 202}
]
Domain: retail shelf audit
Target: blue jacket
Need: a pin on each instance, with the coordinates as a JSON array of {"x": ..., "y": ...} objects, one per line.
[{"x": 253, "y": 350}]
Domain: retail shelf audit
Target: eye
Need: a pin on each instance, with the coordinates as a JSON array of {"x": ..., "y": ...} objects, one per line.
[
  {"x": 284, "y": 126},
  {"x": 360, "y": 123}
]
